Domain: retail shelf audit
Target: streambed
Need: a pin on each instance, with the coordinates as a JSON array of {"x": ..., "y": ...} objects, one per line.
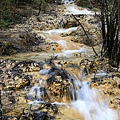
[{"x": 58, "y": 85}]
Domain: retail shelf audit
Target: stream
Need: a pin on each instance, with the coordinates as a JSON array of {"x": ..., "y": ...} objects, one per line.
[{"x": 80, "y": 102}]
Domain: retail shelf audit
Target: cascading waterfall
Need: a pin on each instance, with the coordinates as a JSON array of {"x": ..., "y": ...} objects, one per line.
[
  {"x": 59, "y": 31},
  {"x": 68, "y": 52},
  {"x": 55, "y": 79},
  {"x": 90, "y": 102},
  {"x": 62, "y": 43},
  {"x": 37, "y": 91}
]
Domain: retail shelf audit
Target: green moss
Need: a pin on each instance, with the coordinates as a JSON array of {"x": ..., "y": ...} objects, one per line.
[{"x": 6, "y": 48}]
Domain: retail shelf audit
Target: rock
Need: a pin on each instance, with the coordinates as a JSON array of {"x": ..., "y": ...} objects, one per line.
[
  {"x": 92, "y": 32},
  {"x": 115, "y": 103},
  {"x": 1, "y": 71},
  {"x": 109, "y": 87},
  {"x": 42, "y": 116},
  {"x": 69, "y": 24}
]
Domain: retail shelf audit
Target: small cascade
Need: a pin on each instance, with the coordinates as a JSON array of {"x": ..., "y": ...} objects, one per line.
[
  {"x": 59, "y": 31},
  {"x": 44, "y": 71},
  {"x": 62, "y": 43},
  {"x": 69, "y": 52},
  {"x": 89, "y": 102},
  {"x": 73, "y": 90},
  {"x": 57, "y": 86},
  {"x": 37, "y": 92},
  {"x": 75, "y": 11},
  {"x": 101, "y": 73},
  {"x": 55, "y": 82}
]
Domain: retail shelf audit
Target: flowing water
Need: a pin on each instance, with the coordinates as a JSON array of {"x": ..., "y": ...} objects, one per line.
[
  {"x": 88, "y": 103},
  {"x": 92, "y": 104}
]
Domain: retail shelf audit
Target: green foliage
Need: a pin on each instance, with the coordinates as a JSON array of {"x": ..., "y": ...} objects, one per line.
[
  {"x": 5, "y": 19},
  {"x": 8, "y": 12},
  {"x": 5, "y": 13},
  {"x": 5, "y": 48}
]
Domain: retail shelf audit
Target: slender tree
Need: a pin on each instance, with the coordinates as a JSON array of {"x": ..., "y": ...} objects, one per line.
[{"x": 110, "y": 30}]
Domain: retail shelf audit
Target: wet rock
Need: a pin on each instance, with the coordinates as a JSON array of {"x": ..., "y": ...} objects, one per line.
[
  {"x": 27, "y": 66},
  {"x": 93, "y": 33},
  {"x": 43, "y": 111},
  {"x": 17, "y": 82},
  {"x": 94, "y": 66},
  {"x": 115, "y": 103},
  {"x": 70, "y": 24},
  {"x": 12, "y": 99},
  {"x": 88, "y": 66},
  {"x": 58, "y": 86},
  {"x": 50, "y": 107},
  {"x": 7, "y": 64},
  {"x": 13, "y": 73},
  {"x": 42, "y": 116},
  {"x": 57, "y": 83},
  {"x": 30, "y": 39},
  {"x": 1, "y": 71},
  {"x": 107, "y": 85},
  {"x": 6, "y": 48}
]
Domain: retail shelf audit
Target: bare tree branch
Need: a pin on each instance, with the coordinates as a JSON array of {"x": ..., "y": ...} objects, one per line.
[{"x": 86, "y": 35}]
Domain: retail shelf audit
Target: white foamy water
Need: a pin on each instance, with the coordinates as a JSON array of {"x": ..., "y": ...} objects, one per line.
[
  {"x": 44, "y": 71},
  {"x": 94, "y": 110},
  {"x": 69, "y": 52},
  {"x": 60, "y": 103},
  {"x": 75, "y": 11},
  {"x": 67, "y": 1},
  {"x": 101, "y": 73},
  {"x": 59, "y": 31},
  {"x": 36, "y": 102},
  {"x": 92, "y": 104},
  {"x": 89, "y": 102},
  {"x": 62, "y": 43},
  {"x": 35, "y": 91}
]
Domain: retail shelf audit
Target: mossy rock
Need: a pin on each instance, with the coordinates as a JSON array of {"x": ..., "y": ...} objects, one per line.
[{"x": 6, "y": 48}]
